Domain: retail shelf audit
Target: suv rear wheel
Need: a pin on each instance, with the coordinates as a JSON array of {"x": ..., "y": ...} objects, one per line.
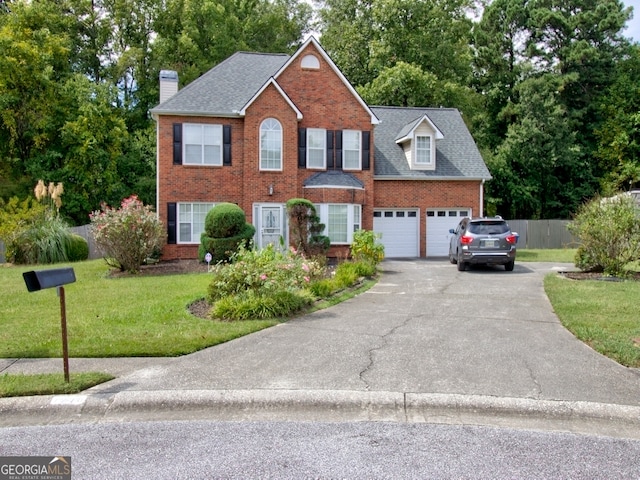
[
  {"x": 509, "y": 266},
  {"x": 462, "y": 266}
]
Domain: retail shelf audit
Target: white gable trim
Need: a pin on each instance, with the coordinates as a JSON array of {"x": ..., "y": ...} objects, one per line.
[
  {"x": 311, "y": 40},
  {"x": 271, "y": 81},
  {"x": 410, "y": 135}
]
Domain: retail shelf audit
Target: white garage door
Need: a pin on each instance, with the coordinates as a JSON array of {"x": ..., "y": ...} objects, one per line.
[
  {"x": 439, "y": 221},
  {"x": 400, "y": 232}
]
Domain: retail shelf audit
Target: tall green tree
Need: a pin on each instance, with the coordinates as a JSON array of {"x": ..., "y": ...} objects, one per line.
[
  {"x": 619, "y": 134},
  {"x": 34, "y": 61},
  {"x": 364, "y": 37}
]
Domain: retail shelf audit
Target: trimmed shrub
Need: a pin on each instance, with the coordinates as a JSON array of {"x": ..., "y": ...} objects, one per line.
[
  {"x": 77, "y": 248},
  {"x": 226, "y": 229},
  {"x": 609, "y": 232},
  {"x": 306, "y": 229}
]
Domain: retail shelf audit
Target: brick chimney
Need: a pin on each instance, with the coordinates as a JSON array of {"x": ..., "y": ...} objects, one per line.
[{"x": 168, "y": 84}]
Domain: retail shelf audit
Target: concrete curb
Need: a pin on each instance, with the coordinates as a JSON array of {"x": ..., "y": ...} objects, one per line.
[{"x": 326, "y": 405}]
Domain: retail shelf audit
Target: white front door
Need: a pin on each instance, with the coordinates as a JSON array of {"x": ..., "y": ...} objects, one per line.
[{"x": 269, "y": 225}]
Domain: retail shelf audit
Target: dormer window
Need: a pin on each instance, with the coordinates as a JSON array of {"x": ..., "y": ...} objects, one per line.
[
  {"x": 418, "y": 140},
  {"x": 423, "y": 150}
]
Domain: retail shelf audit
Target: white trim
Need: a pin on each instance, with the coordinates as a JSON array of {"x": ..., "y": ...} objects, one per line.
[
  {"x": 337, "y": 187},
  {"x": 260, "y": 167},
  {"x": 411, "y": 134},
  {"x": 243, "y": 111},
  {"x": 311, "y": 40},
  {"x": 431, "y": 178}
]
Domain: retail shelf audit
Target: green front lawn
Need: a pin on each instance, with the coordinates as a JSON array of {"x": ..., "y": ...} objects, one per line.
[
  {"x": 603, "y": 314},
  {"x": 110, "y": 317},
  {"x": 562, "y": 255}
]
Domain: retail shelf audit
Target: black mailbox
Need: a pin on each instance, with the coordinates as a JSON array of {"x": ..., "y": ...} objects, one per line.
[{"x": 48, "y": 278}]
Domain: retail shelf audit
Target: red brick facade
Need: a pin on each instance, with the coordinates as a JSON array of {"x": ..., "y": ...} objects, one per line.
[{"x": 325, "y": 102}]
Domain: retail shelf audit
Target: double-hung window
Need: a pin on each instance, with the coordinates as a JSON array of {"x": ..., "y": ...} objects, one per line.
[
  {"x": 191, "y": 218},
  {"x": 351, "y": 145},
  {"x": 202, "y": 144},
  {"x": 423, "y": 150},
  {"x": 270, "y": 145},
  {"x": 316, "y": 148},
  {"x": 341, "y": 221}
]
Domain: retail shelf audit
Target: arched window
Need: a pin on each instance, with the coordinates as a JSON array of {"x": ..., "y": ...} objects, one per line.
[{"x": 270, "y": 145}]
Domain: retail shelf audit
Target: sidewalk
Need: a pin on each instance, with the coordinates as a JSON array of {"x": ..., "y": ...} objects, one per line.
[{"x": 426, "y": 344}]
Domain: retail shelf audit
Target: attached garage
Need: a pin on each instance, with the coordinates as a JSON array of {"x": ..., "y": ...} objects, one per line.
[
  {"x": 439, "y": 221},
  {"x": 400, "y": 229}
]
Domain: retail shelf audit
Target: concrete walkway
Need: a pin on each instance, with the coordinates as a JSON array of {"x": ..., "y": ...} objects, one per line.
[{"x": 427, "y": 343}]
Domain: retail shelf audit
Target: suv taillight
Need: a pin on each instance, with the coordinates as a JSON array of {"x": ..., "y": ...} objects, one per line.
[
  {"x": 466, "y": 240},
  {"x": 511, "y": 239}
]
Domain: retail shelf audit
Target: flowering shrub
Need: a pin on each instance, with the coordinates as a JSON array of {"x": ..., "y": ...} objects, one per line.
[
  {"x": 263, "y": 272},
  {"x": 129, "y": 235}
]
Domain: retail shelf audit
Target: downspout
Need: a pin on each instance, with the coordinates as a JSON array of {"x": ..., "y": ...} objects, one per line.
[{"x": 482, "y": 198}]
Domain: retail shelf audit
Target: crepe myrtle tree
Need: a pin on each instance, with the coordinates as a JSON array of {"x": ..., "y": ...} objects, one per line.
[{"x": 129, "y": 235}]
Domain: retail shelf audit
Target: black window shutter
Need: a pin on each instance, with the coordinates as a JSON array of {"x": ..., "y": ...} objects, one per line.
[
  {"x": 172, "y": 223},
  {"x": 177, "y": 144},
  {"x": 339, "y": 149},
  {"x": 366, "y": 150},
  {"x": 226, "y": 145},
  {"x": 302, "y": 147},
  {"x": 330, "y": 149}
]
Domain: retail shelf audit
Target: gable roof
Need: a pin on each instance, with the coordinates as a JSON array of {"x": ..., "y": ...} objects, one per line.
[
  {"x": 312, "y": 41},
  {"x": 457, "y": 156},
  {"x": 407, "y": 132},
  {"x": 230, "y": 87},
  {"x": 225, "y": 89}
]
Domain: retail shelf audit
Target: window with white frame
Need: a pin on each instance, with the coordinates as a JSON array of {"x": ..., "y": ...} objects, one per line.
[
  {"x": 316, "y": 147},
  {"x": 191, "y": 218},
  {"x": 202, "y": 144},
  {"x": 351, "y": 145},
  {"x": 341, "y": 221},
  {"x": 423, "y": 149},
  {"x": 270, "y": 145}
]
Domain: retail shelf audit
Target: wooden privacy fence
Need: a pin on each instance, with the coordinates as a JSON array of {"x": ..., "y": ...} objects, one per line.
[{"x": 543, "y": 234}]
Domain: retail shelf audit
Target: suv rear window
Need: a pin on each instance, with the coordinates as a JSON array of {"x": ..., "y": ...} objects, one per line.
[{"x": 488, "y": 227}]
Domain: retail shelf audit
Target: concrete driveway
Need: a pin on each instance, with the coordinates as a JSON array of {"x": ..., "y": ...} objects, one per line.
[
  {"x": 424, "y": 328},
  {"x": 426, "y": 343}
]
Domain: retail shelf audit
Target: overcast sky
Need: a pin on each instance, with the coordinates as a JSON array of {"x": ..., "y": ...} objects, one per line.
[{"x": 633, "y": 26}]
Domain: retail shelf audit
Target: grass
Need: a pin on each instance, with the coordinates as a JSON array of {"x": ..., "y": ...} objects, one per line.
[
  {"x": 110, "y": 317},
  {"x": 49, "y": 383},
  {"x": 563, "y": 255},
  {"x": 601, "y": 314}
]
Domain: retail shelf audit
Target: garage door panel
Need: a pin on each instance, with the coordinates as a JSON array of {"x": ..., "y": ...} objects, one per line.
[
  {"x": 439, "y": 221},
  {"x": 400, "y": 232}
]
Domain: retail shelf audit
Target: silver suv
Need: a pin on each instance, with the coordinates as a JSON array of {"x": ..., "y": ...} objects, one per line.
[{"x": 487, "y": 241}]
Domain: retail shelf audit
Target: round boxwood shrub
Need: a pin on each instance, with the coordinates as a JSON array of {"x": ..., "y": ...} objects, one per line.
[
  {"x": 226, "y": 229},
  {"x": 77, "y": 248}
]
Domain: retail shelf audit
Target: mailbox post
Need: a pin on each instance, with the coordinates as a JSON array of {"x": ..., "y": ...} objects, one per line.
[{"x": 56, "y": 277}]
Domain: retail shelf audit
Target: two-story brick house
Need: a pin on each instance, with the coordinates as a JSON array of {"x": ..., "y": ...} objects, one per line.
[{"x": 260, "y": 129}]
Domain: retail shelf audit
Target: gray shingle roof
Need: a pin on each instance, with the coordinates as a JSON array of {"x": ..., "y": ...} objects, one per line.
[
  {"x": 226, "y": 88},
  {"x": 457, "y": 155},
  {"x": 333, "y": 178}
]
